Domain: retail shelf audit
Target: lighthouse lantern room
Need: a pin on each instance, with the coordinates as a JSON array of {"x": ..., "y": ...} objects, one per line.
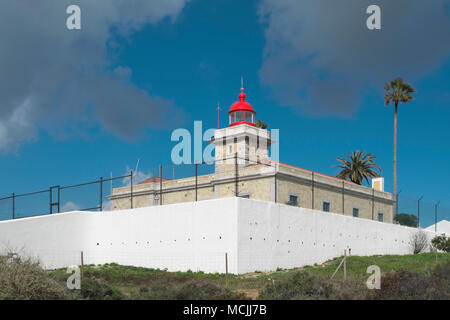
[{"x": 241, "y": 112}]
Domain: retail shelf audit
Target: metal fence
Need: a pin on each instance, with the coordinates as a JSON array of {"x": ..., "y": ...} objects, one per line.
[
  {"x": 193, "y": 175},
  {"x": 93, "y": 196},
  {"x": 48, "y": 201},
  {"x": 427, "y": 211}
]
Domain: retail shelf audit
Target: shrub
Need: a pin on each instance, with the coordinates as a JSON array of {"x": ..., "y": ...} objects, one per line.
[
  {"x": 302, "y": 285},
  {"x": 441, "y": 243},
  {"x": 97, "y": 289},
  {"x": 419, "y": 242},
  {"x": 188, "y": 291},
  {"x": 24, "y": 279},
  {"x": 395, "y": 285},
  {"x": 207, "y": 291},
  {"x": 406, "y": 285}
]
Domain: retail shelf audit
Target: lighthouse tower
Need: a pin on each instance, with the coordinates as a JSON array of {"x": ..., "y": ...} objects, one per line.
[{"x": 241, "y": 142}]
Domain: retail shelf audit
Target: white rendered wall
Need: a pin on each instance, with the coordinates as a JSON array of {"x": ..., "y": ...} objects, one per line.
[
  {"x": 178, "y": 237},
  {"x": 257, "y": 235},
  {"x": 275, "y": 235},
  {"x": 441, "y": 227}
]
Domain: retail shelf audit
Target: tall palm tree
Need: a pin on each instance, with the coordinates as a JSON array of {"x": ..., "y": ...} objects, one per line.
[
  {"x": 358, "y": 166},
  {"x": 397, "y": 91}
]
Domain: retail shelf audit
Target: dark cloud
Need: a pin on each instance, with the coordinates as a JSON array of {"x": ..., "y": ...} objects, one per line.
[
  {"x": 320, "y": 56},
  {"x": 51, "y": 77}
]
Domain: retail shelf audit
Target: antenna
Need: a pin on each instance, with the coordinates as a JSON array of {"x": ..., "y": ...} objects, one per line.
[
  {"x": 242, "y": 83},
  {"x": 137, "y": 165}
]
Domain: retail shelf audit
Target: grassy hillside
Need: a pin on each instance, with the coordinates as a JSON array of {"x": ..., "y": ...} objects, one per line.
[
  {"x": 421, "y": 278},
  {"x": 138, "y": 283}
]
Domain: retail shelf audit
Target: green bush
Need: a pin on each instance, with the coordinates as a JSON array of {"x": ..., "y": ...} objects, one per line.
[
  {"x": 302, "y": 285},
  {"x": 441, "y": 243},
  {"x": 97, "y": 289}
]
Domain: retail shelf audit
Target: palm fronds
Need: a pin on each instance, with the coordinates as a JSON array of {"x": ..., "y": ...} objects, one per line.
[
  {"x": 398, "y": 91},
  {"x": 358, "y": 166}
]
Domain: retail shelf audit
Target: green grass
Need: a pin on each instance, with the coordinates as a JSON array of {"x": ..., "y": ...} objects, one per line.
[
  {"x": 132, "y": 280},
  {"x": 357, "y": 266}
]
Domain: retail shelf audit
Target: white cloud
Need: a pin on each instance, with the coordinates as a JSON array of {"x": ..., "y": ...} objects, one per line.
[
  {"x": 320, "y": 56},
  {"x": 138, "y": 176},
  {"x": 70, "y": 206},
  {"x": 56, "y": 79}
]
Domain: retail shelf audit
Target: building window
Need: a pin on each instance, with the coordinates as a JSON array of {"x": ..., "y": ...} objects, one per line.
[
  {"x": 326, "y": 206},
  {"x": 240, "y": 116},
  {"x": 244, "y": 195},
  {"x": 356, "y": 212},
  {"x": 381, "y": 216},
  {"x": 230, "y": 149},
  {"x": 247, "y": 148},
  {"x": 293, "y": 200}
]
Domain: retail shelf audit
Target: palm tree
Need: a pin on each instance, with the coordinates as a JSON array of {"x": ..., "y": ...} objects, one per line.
[
  {"x": 397, "y": 91},
  {"x": 358, "y": 166}
]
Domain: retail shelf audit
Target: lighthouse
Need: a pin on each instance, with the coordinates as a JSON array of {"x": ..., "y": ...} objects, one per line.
[
  {"x": 241, "y": 142},
  {"x": 241, "y": 112}
]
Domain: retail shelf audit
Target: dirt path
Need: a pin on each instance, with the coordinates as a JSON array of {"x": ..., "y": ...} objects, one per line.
[
  {"x": 257, "y": 274},
  {"x": 250, "y": 293},
  {"x": 254, "y": 293}
]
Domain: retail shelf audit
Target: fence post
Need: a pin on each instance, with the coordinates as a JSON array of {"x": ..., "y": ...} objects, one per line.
[
  {"x": 101, "y": 193},
  {"x": 131, "y": 189},
  {"x": 82, "y": 264},
  {"x": 59, "y": 199},
  {"x": 345, "y": 265},
  {"x": 226, "y": 269},
  {"x": 14, "y": 205},
  {"x": 435, "y": 215},
  {"x": 160, "y": 185},
  {"x": 418, "y": 211},
  {"x": 337, "y": 269},
  {"x": 396, "y": 202}
]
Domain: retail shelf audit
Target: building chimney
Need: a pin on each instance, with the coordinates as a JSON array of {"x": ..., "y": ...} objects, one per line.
[{"x": 378, "y": 184}]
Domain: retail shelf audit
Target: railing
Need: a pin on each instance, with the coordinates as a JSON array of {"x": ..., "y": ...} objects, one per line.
[{"x": 54, "y": 196}]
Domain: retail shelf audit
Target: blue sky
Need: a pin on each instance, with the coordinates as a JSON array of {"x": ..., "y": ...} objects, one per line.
[{"x": 193, "y": 54}]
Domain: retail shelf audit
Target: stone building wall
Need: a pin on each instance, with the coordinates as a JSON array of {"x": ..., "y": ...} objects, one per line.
[{"x": 259, "y": 182}]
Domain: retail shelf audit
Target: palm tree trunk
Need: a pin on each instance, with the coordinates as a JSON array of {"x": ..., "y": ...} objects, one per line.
[{"x": 394, "y": 171}]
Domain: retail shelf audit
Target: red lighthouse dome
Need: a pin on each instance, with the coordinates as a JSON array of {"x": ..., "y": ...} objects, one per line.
[{"x": 241, "y": 112}]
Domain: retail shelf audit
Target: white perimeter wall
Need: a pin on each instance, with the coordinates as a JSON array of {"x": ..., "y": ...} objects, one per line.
[
  {"x": 178, "y": 237},
  {"x": 257, "y": 235},
  {"x": 275, "y": 235}
]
